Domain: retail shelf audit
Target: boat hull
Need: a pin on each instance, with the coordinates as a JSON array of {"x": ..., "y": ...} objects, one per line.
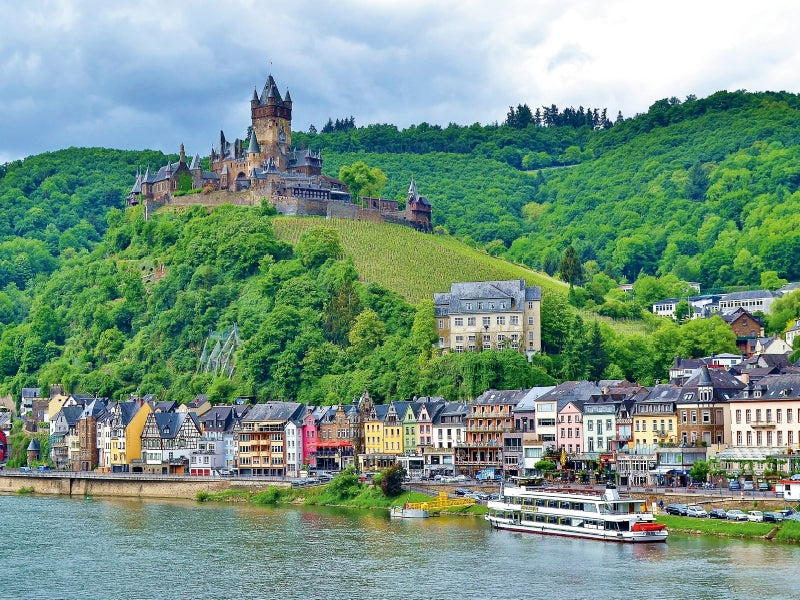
[{"x": 408, "y": 513}]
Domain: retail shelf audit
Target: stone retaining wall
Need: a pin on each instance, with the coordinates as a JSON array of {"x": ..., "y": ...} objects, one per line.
[{"x": 126, "y": 486}]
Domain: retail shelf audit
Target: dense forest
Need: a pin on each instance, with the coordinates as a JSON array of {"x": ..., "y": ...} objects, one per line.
[{"x": 704, "y": 190}]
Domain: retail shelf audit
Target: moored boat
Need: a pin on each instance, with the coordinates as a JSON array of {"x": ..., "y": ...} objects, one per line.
[
  {"x": 409, "y": 512},
  {"x": 579, "y": 513}
]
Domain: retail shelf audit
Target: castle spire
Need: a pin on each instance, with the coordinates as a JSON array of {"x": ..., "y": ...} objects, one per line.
[{"x": 252, "y": 144}]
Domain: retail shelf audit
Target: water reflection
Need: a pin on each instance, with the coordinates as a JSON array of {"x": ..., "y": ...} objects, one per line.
[{"x": 148, "y": 549}]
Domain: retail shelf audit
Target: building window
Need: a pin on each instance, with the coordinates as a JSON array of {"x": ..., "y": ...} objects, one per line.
[
  {"x": 458, "y": 321},
  {"x": 738, "y": 415},
  {"x": 530, "y": 305},
  {"x": 501, "y": 320},
  {"x": 486, "y": 321},
  {"x": 749, "y": 438},
  {"x": 738, "y": 438},
  {"x": 747, "y": 416},
  {"x": 530, "y": 321},
  {"x": 513, "y": 320},
  {"x": 470, "y": 321},
  {"x": 706, "y": 416}
]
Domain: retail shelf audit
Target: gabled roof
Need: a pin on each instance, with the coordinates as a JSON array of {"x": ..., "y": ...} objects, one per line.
[
  {"x": 30, "y": 393},
  {"x": 169, "y": 424}
]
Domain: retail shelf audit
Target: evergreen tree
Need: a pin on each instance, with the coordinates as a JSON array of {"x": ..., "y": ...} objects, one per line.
[
  {"x": 570, "y": 268},
  {"x": 596, "y": 358}
]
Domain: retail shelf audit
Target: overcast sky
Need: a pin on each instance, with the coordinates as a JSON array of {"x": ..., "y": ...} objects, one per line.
[{"x": 136, "y": 75}]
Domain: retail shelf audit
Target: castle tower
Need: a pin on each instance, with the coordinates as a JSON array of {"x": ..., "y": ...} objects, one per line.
[{"x": 272, "y": 122}]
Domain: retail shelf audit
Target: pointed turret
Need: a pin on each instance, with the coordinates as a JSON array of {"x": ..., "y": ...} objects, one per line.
[
  {"x": 287, "y": 99},
  {"x": 255, "y": 96},
  {"x": 412, "y": 191},
  {"x": 252, "y": 145},
  {"x": 195, "y": 166}
]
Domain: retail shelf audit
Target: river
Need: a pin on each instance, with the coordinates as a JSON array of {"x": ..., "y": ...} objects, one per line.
[{"x": 56, "y": 547}]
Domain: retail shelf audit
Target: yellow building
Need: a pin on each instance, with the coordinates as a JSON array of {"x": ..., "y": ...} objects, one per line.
[
  {"x": 489, "y": 315},
  {"x": 655, "y": 419}
]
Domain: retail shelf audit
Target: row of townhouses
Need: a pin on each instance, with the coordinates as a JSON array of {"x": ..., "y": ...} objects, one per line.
[{"x": 740, "y": 412}]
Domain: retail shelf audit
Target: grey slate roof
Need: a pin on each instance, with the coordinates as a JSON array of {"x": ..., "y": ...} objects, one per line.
[
  {"x": 273, "y": 411},
  {"x": 501, "y": 397},
  {"x": 772, "y": 387},
  {"x": 170, "y": 423},
  {"x": 30, "y": 393},
  {"x": 513, "y": 292}
]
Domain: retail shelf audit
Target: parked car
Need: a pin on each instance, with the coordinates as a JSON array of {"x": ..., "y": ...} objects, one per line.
[
  {"x": 25, "y": 470},
  {"x": 795, "y": 477},
  {"x": 748, "y": 486},
  {"x": 734, "y": 485},
  {"x": 737, "y": 515},
  {"x": 226, "y": 472},
  {"x": 773, "y": 517},
  {"x": 755, "y": 516},
  {"x": 461, "y": 491},
  {"x": 676, "y": 509},
  {"x": 480, "y": 496},
  {"x": 43, "y": 469},
  {"x": 718, "y": 513},
  {"x": 693, "y": 510},
  {"x": 763, "y": 486},
  {"x": 792, "y": 517}
]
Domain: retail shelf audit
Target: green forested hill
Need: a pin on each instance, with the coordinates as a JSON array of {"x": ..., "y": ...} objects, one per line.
[{"x": 702, "y": 190}]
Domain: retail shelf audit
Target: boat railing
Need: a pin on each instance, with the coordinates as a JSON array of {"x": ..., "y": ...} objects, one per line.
[{"x": 572, "y": 491}]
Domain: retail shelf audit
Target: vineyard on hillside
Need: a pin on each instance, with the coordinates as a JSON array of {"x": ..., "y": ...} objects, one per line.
[{"x": 413, "y": 264}]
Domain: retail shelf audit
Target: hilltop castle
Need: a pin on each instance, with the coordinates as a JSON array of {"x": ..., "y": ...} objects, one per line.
[{"x": 267, "y": 166}]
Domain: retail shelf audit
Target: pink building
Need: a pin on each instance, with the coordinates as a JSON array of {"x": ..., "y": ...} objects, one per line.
[{"x": 569, "y": 433}]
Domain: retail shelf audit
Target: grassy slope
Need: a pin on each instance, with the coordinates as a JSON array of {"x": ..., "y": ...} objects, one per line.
[{"x": 413, "y": 264}]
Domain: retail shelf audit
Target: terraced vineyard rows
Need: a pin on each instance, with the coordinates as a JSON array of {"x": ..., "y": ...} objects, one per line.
[{"x": 413, "y": 264}]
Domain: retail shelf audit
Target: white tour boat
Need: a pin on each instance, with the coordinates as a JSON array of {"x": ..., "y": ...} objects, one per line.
[
  {"x": 575, "y": 513},
  {"x": 408, "y": 512}
]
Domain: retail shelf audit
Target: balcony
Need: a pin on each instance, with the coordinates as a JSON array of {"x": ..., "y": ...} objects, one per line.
[
  {"x": 762, "y": 424},
  {"x": 489, "y": 428}
]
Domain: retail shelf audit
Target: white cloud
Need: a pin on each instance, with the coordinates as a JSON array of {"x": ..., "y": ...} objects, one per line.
[{"x": 153, "y": 74}]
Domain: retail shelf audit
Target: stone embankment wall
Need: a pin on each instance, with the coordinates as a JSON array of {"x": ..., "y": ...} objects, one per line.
[{"x": 125, "y": 486}]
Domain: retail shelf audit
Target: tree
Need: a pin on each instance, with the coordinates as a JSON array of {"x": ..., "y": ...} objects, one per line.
[
  {"x": 699, "y": 470},
  {"x": 392, "y": 480},
  {"x": 367, "y": 332},
  {"x": 362, "y": 181},
  {"x": 570, "y": 268},
  {"x": 318, "y": 245},
  {"x": 596, "y": 354}
]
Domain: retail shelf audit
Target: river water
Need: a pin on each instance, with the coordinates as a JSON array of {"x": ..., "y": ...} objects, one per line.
[{"x": 55, "y": 547}]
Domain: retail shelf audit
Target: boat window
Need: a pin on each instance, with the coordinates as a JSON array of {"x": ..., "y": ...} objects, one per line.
[
  {"x": 528, "y": 501},
  {"x": 540, "y": 502},
  {"x": 577, "y": 522},
  {"x": 540, "y": 518},
  {"x": 552, "y": 504},
  {"x": 577, "y": 506},
  {"x": 588, "y": 507},
  {"x": 563, "y": 505},
  {"x": 527, "y": 517}
]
